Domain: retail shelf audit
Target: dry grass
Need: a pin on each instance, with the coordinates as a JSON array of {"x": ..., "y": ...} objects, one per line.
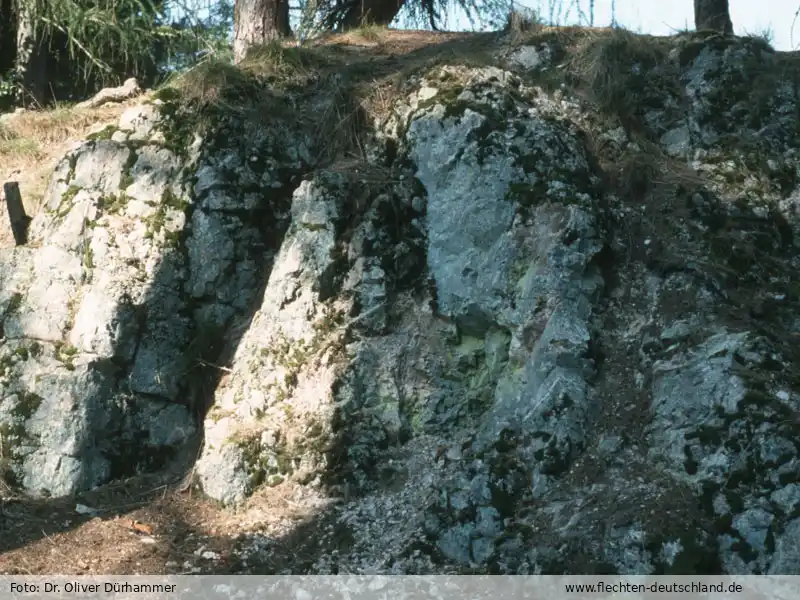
[
  {"x": 333, "y": 87},
  {"x": 32, "y": 142},
  {"x": 227, "y": 87},
  {"x": 366, "y": 35},
  {"x": 614, "y": 63},
  {"x": 522, "y": 23},
  {"x": 371, "y": 33},
  {"x": 276, "y": 84}
]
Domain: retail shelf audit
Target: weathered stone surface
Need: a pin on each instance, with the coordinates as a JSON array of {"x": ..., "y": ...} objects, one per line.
[
  {"x": 153, "y": 174},
  {"x": 289, "y": 331},
  {"x": 101, "y": 166},
  {"x": 140, "y": 121}
]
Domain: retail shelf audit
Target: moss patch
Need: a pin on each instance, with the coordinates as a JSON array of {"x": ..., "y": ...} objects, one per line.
[{"x": 103, "y": 134}]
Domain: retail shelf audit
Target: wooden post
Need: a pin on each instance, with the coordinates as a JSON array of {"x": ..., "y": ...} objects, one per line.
[{"x": 16, "y": 212}]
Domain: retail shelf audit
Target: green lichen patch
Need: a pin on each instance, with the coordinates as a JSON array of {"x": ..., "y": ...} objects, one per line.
[{"x": 475, "y": 363}]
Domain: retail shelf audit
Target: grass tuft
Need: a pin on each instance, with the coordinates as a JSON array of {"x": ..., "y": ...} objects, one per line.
[
  {"x": 615, "y": 65},
  {"x": 522, "y": 22},
  {"x": 370, "y": 32}
]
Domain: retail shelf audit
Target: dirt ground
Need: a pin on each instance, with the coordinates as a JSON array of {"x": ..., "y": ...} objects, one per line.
[{"x": 134, "y": 527}]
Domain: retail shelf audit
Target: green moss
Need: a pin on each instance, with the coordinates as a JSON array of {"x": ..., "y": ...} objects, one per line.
[
  {"x": 158, "y": 220},
  {"x": 178, "y": 121},
  {"x": 65, "y": 354},
  {"x": 113, "y": 203},
  {"x": 103, "y": 134},
  {"x": 293, "y": 356},
  {"x": 88, "y": 256},
  {"x": 127, "y": 178},
  {"x": 447, "y": 96},
  {"x": 264, "y": 465},
  {"x": 14, "y": 435},
  {"x": 11, "y": 432},
  {"x": 14, "y": 303},
  {"x": 170, "y": 200},
  {"x": 167, "y": 94},
  {"x": 70, "y": 193},
  {"x": 329, "y": 322},
  {"x": 11, "y": 437},
  {"x": 216, "y": 414},
  {"x": 27, "y": 405}
]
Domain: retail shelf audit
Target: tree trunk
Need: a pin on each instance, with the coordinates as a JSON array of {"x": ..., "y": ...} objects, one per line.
[
  {"x": 712, "y": 15},
  {"x": 371, "y": 12},
  {"x": 8, "y": 36},
  {"x": 31, "y": 60},
  {"x": 258, "y": 22}
]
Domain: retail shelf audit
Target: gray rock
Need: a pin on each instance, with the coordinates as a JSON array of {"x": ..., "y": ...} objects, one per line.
[
  {"x": 531, "y": 58},
  {"x": 152, "y": 175},
  {"x": 141, "y": 121},
  {"x": 100, "y": 166},
  {"x": 786, "y": 560},
  {"x": 753, "y": 525}
]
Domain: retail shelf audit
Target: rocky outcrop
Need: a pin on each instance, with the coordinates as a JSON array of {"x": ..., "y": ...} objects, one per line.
[{"x": 547, "y": 340}]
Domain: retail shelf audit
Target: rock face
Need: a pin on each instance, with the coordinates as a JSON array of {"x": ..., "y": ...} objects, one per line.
[{"x": 548, "y": 343}]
